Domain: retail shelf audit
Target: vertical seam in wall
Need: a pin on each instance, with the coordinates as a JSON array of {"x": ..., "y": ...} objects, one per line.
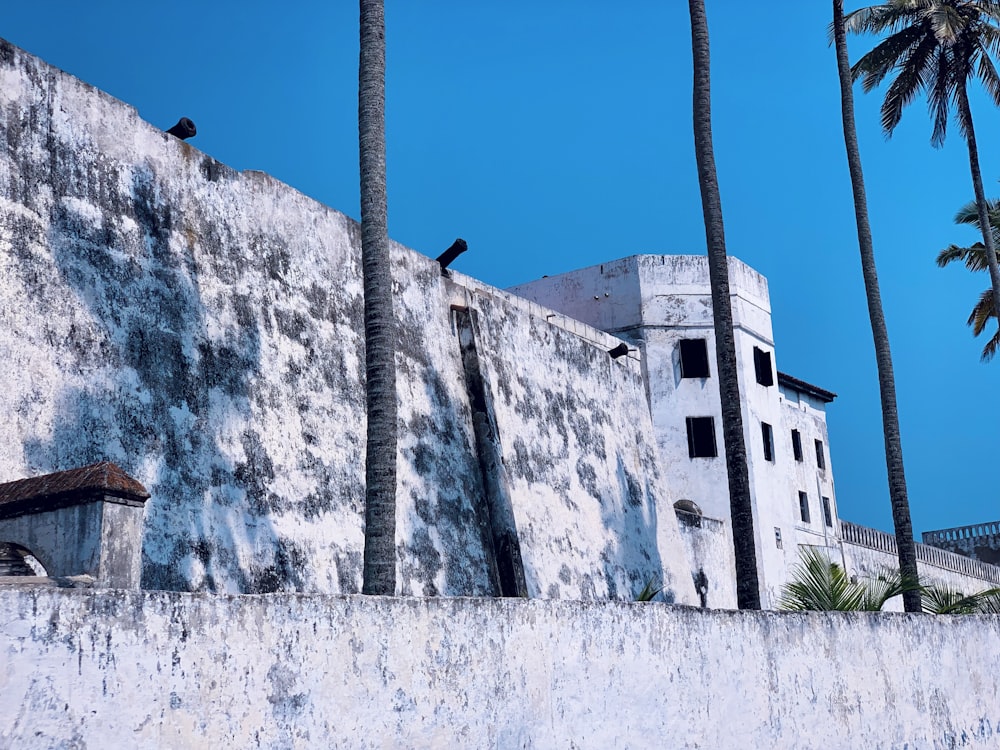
[{"x": 496, "y": 511}]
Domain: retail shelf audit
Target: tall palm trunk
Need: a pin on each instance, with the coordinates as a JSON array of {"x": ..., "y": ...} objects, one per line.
[
  {"x": 883, "y": 357},
  {"x": 380, "y": 344},
  {"x": 982, "y": 207},
  {"x": 747, "y": 587}
]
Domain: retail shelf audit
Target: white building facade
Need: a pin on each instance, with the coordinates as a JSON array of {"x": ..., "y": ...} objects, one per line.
[{"x": 661, "y": 304}]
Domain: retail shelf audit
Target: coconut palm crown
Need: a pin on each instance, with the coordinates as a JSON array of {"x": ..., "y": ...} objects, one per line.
[{"x": 935, "y": 47}]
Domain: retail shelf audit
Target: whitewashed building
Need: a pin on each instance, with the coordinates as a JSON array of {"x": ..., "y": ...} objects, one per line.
[{"x": 662, "y": 305}]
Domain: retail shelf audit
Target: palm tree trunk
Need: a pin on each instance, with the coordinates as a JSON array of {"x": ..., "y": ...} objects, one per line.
[
  {"x": 380, "y": 333},
  {"x": 883, "y": 357},
  {"x": 747, "y": 586},
  {"x": 981, "y": 205}
]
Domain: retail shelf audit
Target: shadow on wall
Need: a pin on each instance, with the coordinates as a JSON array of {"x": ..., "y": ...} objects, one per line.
[
  {"x": 162, "y": 392},
  {"x": 639, "y": 524}
]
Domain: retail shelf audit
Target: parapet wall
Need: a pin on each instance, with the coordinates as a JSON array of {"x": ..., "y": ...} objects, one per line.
[
  {"x": 202, "y": 329},
  {"x": 82, "y": 669},
  {"x": 869, "y": 551}
]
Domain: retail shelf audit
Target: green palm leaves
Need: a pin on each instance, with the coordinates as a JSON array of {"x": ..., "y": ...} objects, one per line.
[
  {"x": 974, "y": 258},
  {"x": 933, "y": 47},
  {"x": 817, "y": 584}
]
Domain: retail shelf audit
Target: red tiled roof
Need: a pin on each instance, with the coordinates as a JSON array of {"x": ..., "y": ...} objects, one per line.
[{"x": 65, "y": 488}]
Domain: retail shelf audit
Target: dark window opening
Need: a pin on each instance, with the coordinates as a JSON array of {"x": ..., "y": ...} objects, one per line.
[
  {"x": 694, "y": 358},
  {"x": 797, "y": 445},
  {"x": 768, "y": 435},
  {"x": 820, "y": 457},
  {"x": 804, "y": 507},
  {"x": 777, "y": 537},
  {"x": 827, "y": 514},
  {"x": 701, "y": 437},
  {"x": 762, "y": 365}
]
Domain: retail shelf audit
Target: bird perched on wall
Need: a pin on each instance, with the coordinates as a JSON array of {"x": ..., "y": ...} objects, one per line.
[{"x": 183, "y": 129}]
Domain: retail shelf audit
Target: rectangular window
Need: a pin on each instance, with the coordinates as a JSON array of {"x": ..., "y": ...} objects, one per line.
[
  {"x": 827, "y": 514},
  {"x": 694, "y": 358},
  {"x": 768, "y": 435},
  {"x": 762, "y": 365},
  {"x": 701, "y": 437},
  {"x": 820, "y": 457},
  {"x": 804, "y": 507},
  {"x": 777, "y": 537},
  {"x": 797, "y": 445}
]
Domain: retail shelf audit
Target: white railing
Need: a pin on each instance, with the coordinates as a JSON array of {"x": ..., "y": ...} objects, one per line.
[{"x": 863, "y": 536}]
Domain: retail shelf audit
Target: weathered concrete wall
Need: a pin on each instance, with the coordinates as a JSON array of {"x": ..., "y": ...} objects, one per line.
[
  {"x": 192, "y": 671},
  {"x": 655, "y": 301},
  {"x": 202, "y": 328},
  {"x": 589, "y": 496},
  {"x": 709, "y": 547}
]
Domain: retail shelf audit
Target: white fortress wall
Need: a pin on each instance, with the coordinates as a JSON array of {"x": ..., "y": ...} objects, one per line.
[
  {"x": 82, "y": 669},
  {"x": 868, "y": 552},
  {"x": 202, "y": 328}
]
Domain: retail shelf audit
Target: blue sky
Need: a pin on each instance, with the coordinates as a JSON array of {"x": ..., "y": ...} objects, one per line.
[{"x": 555, "y": 135}]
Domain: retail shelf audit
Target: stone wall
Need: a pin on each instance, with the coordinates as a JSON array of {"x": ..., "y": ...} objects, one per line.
[
  {"x": 82, "y": 670},
  {"x": 202, "y": 329}
]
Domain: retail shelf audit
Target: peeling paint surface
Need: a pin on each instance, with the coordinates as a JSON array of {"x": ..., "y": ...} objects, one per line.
[
  {"x": 85, "y": 670},
  {"x": 202, "y": 328}
]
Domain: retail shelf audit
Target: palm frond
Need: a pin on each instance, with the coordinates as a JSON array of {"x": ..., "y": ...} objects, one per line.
[
  {"x": 947, "y": 22},
  {"x": 987, "y": 73},
  {"x": 982, "y": 312},
  {"x": 989, "y": 602},
  {"x": 974, "y": 256},
  {"x": 990, "y": 348},
  {"x": 878, "y": 19},
  {"x": 944, "y": 600},
  {"x": 940, "y": 94},
  {"x": 914, "y": 69},
  {"x": 883, "y": 587},
  {"x": 880, "y": 61},
  {"x": 819, "y": 584},
  {"x": 969, "y": 213}
]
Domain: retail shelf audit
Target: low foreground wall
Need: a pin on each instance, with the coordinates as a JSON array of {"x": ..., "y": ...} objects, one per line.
[{"x": 151, "y": 669}]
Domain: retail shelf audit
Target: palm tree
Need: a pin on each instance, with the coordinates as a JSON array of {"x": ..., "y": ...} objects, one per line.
[
  {"x": 380, "y": 331},
  {"x": 974, "y": 258},
  {"x": 817, "y": 584},
  {"x": 936, "y": 46},
  {"x": 747, "y": 587},
  {"x": 883, "y": 356},
  {"x": 944, "y": 600}
]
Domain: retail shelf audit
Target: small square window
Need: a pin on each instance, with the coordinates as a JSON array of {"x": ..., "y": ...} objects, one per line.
[
  {"x": 797, "y": 445},
  {"x": 762, "y": 366},
  {"x": 820, "y": 456},
  {"x": 768, "y": 435},
  {"x": 804, "y": 507},
  {"x": 827, "y": 513},
  {"x": 701, "y": 437},
  {"x": 694, "y": 358}
]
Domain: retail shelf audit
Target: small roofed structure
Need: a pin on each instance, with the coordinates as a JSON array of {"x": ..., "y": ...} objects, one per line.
[{"x": 80, "y": 522}]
